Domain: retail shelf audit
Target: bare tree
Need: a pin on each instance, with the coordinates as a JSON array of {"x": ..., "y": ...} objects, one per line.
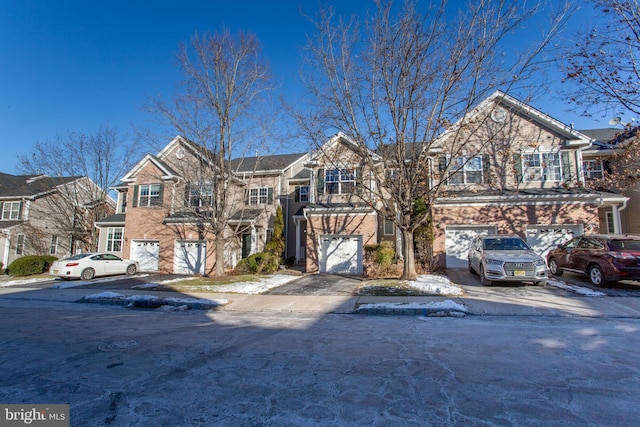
[
  {"x": 604, "y": 62},
  {"x": 395, "y": 81},
  {"x": 83, "y": 169},
  {"x": 220, "y": 110}
]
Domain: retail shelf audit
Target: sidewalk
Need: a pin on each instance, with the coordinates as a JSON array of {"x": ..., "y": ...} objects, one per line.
[{"x": 489, "y": 305}]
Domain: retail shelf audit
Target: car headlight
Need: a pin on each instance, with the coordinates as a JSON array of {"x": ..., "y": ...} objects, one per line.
[
  {"x": 539, "y": 262},
  {"x": 491, "y": 261}
]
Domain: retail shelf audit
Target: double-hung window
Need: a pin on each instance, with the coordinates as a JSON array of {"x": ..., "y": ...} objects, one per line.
[
  {"x": 259, "y": 196},
  {"x": 340, "y": 181},
  {"x": 466, "y": 170},
  {"x": 541, "y": 167},
  {"x": 114, "y": 239},
  {"x": 11, "y": 210},
  {"x": 302, "y": 194},
  {"x": 592, "y": 169},
  {"x": 149, "y": 195},
  {"x": 20, "y": 245},
  {"x": 53, "y": 245},
  {"x": 201, "y": 195}
]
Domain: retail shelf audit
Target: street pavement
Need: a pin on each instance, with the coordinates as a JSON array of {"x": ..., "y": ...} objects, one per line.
[{"x": 124, "y": 367}]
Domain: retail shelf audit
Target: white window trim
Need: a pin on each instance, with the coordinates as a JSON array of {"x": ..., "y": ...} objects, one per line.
[
  {"x": 341, "y": 172},
  {"x": 255, "y": 196},
  {"x": 542, "y": 168},
  {"x": 464, "y": 170},
  {"x": 111, "y": 240},
  {"x": 53, "y": 245},
  {"x": 149, "y": 197},
  {"x": 11, "y": 210},
  {"x": 20, "y": 246}
]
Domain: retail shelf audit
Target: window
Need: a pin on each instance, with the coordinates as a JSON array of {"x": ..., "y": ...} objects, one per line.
[
  {"x": 592, "y": 169},
  {"x": 53, "y": 245},
  {"x": 200, "y": 195},
  {"x": 260, "y": 196},
  {"x": 541, "y": 167},
  {"x": 466, "y": 170},
  {"x": 609, "y": 219},
  {"x": 302, "y": 194},
  {"x": 20, "y": 245},
  {"x": 389, "y": 227},
  {"x": 123, "y": 202},
  {"x": 340, "y": 181},
  {"x": 11, "y": 210},
  {"x": 149, "y": 195},
  {"x": 114, "y": 239}
]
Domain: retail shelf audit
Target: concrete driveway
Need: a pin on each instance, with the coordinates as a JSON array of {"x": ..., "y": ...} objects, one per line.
[{"x": 319, "y": 284}]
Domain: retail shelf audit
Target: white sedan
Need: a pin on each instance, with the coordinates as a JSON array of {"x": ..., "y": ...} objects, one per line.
[{"x": 89, "y": 265}]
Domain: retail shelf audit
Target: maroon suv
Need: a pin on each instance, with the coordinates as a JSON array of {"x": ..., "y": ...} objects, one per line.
[{"x": 603, "y": 258}]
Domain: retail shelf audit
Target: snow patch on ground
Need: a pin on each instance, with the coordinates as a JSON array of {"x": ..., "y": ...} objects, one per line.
[
  {"x": 162, "y": 282},
  {"x": 587, "y": 292},
  {"x": 254, "y": 287},
  {"x": 172, "y": 300},
  {"x": 435, "y": 284},
  {"x": 18, "y": 282}
]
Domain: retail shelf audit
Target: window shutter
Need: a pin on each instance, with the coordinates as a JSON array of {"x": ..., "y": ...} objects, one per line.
[
  {"x": 296, "y": 198},
  {"x": 486, "y": 163},
  {"x": 187, "y": 193},
  {"x": 517, "y": 164},
  {"x": 606, "y": 166},
  {"x": 359, "y": 180},
  {"x": 320, "y": 184},
  {"x": 135, "y": 196},
  {"x": 270, "y": 195},
  {"x": 246, "y": 196},
  {"x": 19, "y": 210},
  {"x": 160, "y": 196},
  {"x": 566, "y": 166}
]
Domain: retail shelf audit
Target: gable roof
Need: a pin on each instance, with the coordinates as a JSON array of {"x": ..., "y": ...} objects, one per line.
[
  {"x": 276, "y": 163},
  {"x": 341, "y": 137},
  {"x": 29, "y": 186},
  {"x": 168, "y": 172},
  {"x": 572, "y": 136}
]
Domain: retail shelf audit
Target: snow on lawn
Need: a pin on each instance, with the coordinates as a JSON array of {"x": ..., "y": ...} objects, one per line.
[
  {"x": 258, "y": 286},
  {"x": 575, "y": 288},
  {"x": 75, "y": 284},
  {"x": 132, "y": 298},
  {"x": 23, "y": 281},
  {"x": 435, "y": 284},
  {"x": 151, "y": 285}
]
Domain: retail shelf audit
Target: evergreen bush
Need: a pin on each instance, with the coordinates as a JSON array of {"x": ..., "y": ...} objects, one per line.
[
  {"x": 30, "y": 264},
  {"x": 260, "y": 263}
]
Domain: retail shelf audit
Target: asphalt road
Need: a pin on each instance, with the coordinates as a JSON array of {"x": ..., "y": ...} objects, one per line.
[{"x": 119, "y": 367}]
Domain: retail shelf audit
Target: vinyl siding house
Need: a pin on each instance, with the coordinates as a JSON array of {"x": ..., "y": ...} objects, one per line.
[{"x": 44, "y": 215}]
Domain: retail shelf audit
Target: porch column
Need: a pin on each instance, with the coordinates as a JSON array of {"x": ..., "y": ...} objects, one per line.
[
  {"x": 615, "y": 213},
  {"x": 298, "y": 256}
]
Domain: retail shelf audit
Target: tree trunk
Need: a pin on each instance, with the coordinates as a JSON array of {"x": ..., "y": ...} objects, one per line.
[
  {"x": 219, "y": 255},
  {"x": 409, "y": 267}
]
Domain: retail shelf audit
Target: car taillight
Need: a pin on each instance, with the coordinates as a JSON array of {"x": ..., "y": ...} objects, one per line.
[
  {"x": 72, "y": 264},
  {"x": 621, "y": 255}
]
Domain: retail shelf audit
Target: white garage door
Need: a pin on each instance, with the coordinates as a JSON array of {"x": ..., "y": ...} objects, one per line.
[
  {"x": 341, "y": 254},
  {"x": 543, "y": 238},
  {"x": 189, "y": 257},
  {"x": 147, "y": 253},
  {"x": 457, "y": 241}
]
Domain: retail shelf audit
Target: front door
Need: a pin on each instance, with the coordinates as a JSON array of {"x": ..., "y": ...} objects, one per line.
[{"x": 246, "y": 245}]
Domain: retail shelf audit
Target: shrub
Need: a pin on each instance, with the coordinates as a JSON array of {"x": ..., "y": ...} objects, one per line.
[
  {"x": 262, "y": 262},
  {"x": 380, "y": 260},
  {"x": 30, "y": 264}
]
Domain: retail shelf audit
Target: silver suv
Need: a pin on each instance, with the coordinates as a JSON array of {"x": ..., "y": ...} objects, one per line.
[{"x": 506, "y": 258}]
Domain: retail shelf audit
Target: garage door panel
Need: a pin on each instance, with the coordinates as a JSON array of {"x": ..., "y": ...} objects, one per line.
[
  {"x": 189, "y": 257},
  {"x": 457, "y": 241},
  {"x": 341, "y": 254},
  {"x": 544, "y": 238},
  {"x": 147, "y": 253}
]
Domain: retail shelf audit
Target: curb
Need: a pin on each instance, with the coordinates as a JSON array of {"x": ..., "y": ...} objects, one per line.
[
  {"x": 427, "y": 312},
  {"x": 149, "y": 301}
]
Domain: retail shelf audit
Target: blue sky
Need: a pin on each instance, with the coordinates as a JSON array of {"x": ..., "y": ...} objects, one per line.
[{"x": 76, "y": 65}]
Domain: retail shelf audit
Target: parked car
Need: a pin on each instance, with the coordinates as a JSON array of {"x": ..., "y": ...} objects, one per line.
[
  {"x": 506, "y": 258},
  {"x": 89, "y": 265},
  {"x": 602, "y": 258}
]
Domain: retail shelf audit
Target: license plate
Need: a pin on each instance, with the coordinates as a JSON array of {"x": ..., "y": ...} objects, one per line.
[{"x": 519, "y": 273}]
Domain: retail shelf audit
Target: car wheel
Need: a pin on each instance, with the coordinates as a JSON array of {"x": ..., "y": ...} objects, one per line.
[
  {"x": 131, "y": 270},
  {"x": 471, "y": 269},
  {"x": 596, "y": 276},
  {"x": 88, "y": 273},
  {"x": 554, "y": 268},
  {"x": 483, "y": 280}
]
